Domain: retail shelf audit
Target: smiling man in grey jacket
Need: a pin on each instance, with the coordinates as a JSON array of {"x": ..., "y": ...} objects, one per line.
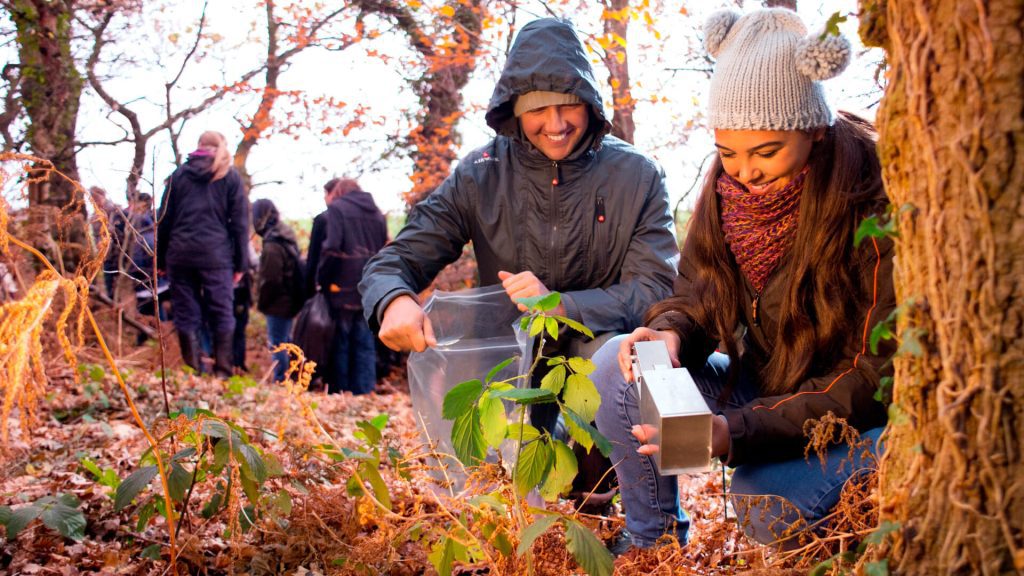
[{"x": 552, "y": 203}]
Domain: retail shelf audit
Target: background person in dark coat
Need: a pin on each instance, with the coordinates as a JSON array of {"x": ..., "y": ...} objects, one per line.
[
  {"x": 356, "y": 230},
  {"x": 279, "y": 265},
  {"x": 317, "y": 235},
  {"x": 201, "y": 243}
]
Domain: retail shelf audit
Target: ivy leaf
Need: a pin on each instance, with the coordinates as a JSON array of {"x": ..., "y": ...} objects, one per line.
[
  {"x": 582, "y": 396},
  {"x": 884, "y": 394},
  {"x": 587, "y": 549},
  {"x": 582, "y": 366},
  {"x": 881, "y": 331},
  {"x": 132, "y": 485},
  {"x": 883, "y": 530},
  {"x": 497, "y": 369},
  {"x": 526, "y": 395},
  {"x": 554, "y": 380},
  {"x": 910, "y": 342},
  {"x": 493, "y": 420},
  {"x": 467, "y": 439},
  {"x": 16, "y": 520},
  {"x": 880, "y": 568},
  {"x": 66, "y": 519},
  {"x": 534, "y": 461},
  {"x": 460, "y": 399},
  {"x": 533, "y": 531},
  {"x": 560, "y": 477},
  {"x": 832, "y": 26}
]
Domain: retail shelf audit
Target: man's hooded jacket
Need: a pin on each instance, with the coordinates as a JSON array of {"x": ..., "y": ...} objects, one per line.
[{"x": 595, "y": 226}]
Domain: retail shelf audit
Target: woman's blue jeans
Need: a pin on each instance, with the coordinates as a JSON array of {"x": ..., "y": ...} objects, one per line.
[
  {"x": 800, "y": 492},
  {"x": 279, "y": 331}
]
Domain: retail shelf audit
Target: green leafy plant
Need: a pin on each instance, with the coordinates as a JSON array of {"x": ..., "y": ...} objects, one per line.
[
  {"x": 481, "y": 423},
  {"x": 369, "y": 454},
  {"x": 217, "y": 452},
  {"x": 843, "y": 561},
  {"x": 58, "y": 513}
]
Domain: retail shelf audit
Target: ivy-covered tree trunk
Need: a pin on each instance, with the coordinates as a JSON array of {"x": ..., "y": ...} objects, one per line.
[
  {"x": 952, "y": 149},
  {"x": 50, "y": 88}
]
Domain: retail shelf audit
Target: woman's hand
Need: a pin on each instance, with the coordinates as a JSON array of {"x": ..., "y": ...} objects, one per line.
[
  {"x": 646, "y": 433},
  {"x": 670, "y": 338}
]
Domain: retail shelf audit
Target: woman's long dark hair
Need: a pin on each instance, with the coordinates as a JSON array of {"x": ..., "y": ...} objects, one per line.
[{"x": 819, "y": 307}]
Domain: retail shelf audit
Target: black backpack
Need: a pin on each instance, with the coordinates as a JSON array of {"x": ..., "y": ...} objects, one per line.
[{"x": 294, "y": 276}]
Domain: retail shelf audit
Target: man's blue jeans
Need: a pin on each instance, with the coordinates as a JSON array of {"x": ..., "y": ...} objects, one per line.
[
  {"x": 279, "y": 330},
  {"x": 355, "y": 357},
  {"x": 801, "y": 492}
]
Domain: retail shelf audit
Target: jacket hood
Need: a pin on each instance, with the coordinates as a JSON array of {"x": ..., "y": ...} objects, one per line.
[
  {"x": 199, "y": 167},
  {"x": 360, "y": 200},
  {"x": 546, "y": 55},
  {"x": 264, "y": 216}
]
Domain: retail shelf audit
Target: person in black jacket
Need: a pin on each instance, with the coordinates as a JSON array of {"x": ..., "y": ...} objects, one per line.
[
  {"x": 356, "y": 230},
  {"x": 317, "y": 235},
  {"x": 201, "y": 244},
  {"x": 279, "y": 266}
]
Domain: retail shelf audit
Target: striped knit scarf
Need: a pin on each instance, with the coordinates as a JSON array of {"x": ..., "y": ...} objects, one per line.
[{"x": 759, "y": 228}]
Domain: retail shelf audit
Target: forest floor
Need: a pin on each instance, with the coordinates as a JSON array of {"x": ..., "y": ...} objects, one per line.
[{"x": 311, "y": 518}]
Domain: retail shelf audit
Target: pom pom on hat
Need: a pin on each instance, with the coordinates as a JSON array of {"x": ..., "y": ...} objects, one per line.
[
  {"x": 716, "y": 28},
  {"x": 822, "y": 56}
]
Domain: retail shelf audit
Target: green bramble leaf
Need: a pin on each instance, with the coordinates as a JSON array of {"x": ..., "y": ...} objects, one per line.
[
  {"x": 135, "y": 483},
  {"x": 497, "y": 369},
  {"x": 461, "y": 399},
  {"x": 380, "y": 421},
  {"x": 371, "y": 475},
  {"x": 493, "y": 420},
  {"x": 536, "y": 326},
  {"x": 560, "y": 477},
  {"x": 542, "y": 303},
  {"x": 880, "y": 568},
  {"x": 884, "y": 392},
  {"x": 526, "y": 395},
  {"x": 524, "y": 432},
  {"x": 64, "y": 516},
  {"x": 575, "y": 326},
  {"x": 534, "y": 461},
  {"x": 881, "y": 331},
  {"x": 582, "y": 366},
  {"x": 551, "y": 325},
  {"x": 581, "y": 396},
  {"x": 554, "y": 380},
  {"x": 468, "y": 439},
  {"x": 883, "y": 530},
  {"x": 577, "y": 425},
  {"x": 539, "y": 526},
  {"x": 587, "y": 549},
  {"x": 16, "y": 520}
]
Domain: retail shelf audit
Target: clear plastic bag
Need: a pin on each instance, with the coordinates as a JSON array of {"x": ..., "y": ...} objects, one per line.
[{"x": 476, "y": 330}]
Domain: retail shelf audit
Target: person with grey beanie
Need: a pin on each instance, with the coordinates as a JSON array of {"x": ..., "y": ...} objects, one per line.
[{"x": 770, "y": 274}]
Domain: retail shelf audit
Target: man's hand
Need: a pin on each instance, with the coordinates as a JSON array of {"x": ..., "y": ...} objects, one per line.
[
  {"x": 525, "y": 285},
  {"x": 670, "y": 338},
  {"x": 405, "y": 327},
  {"x": 236, "y": 278}
]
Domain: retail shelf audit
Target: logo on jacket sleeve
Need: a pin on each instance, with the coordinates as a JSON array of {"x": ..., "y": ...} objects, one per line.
[{"x": 485, "y": 157}]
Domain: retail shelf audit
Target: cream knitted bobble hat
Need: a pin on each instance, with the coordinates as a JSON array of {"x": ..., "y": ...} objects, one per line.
[{"x": 768, "y": 71}]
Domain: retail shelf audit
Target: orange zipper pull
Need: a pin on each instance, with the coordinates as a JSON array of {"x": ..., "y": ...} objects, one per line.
[{"x": 754, "y": 305}]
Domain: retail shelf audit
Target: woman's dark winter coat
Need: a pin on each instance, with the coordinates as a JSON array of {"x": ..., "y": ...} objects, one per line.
[
  {"x": 203, "y": 224},
  {"x": 772, "y": 427},
  {"x": 279, "y": 261}
]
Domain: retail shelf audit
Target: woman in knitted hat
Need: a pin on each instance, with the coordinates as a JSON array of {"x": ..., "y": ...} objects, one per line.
[{"x": 769, "y": 275}]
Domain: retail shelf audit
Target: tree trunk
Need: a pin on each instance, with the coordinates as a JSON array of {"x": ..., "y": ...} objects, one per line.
[
  {"x": 261, "y": 120},
  {"x": 616, "y": 25},
  {"x": 50, "y": 88},
  {"x": 952, "y": 148}
]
